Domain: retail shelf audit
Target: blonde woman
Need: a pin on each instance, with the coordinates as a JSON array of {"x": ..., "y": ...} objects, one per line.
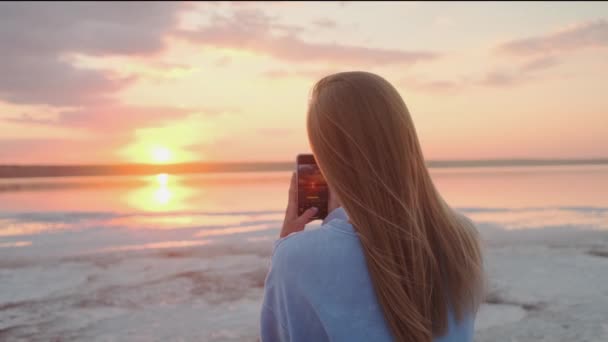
[{"x": 392, "y": 261}]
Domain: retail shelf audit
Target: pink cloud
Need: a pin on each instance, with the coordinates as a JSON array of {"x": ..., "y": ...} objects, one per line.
[
  {"x": 116, "y": 118},
  {"x": 539, "y": 63},
  {"x": 501, "y": 79},
  {"x": 252, "y": 30},
  {"x": 313, "y": 74},
  {"x": 496, "y": 78},
  {"x": 36, "y": 37},
  {"x": 432, "y": 86},
  {"x": 325, "y": 23},
  {"x": 94, "y": 28},
  {"x": 113, "y": 126},
  {"x": 526, "y": 71},
  {"x": 47, "y": 80},
  {"x": 584, "y": 35},
  {"x": 52, "y": 151},
  {"x": 223, "y": 61}
]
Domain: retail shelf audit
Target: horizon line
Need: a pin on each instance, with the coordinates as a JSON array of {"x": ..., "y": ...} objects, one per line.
[
  {"x": 75, "y": 170},
  {"x": 429, "y": 162}
]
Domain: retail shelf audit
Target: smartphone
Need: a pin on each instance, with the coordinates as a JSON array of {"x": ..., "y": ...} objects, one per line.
[{"x": 312, "y": 187}]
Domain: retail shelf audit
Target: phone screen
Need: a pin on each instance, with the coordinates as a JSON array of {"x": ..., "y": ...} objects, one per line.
[{"x": 312, "y": 188}]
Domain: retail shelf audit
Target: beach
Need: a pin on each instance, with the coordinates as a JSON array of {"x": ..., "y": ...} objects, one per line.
[
  {"x": 170, "y": 259},
  {"x": 146, "y": 151}
]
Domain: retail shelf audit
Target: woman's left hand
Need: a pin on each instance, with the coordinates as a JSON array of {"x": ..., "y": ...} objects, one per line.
[{"x": 292, "y": 222}]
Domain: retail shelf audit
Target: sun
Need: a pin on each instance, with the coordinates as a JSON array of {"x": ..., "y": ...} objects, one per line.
[{"x": 161, "y": 154}]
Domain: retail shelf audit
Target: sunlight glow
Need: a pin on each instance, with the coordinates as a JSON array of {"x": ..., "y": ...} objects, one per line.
[
  {"x": 163, "y": 192},
  {"x": 162, "y": 196},
  {"x": 162, "y": 179},
  {"x": 161, "y": 154}
]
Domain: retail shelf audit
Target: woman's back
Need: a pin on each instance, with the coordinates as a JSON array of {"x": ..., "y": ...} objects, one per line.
[
  {"x": 319, "y": 289},
  {"x": 413, "y": 265}
]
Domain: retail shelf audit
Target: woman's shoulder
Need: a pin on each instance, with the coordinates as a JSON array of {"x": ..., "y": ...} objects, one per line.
[
  {"x": 295, "y": 255},
  {"x": 336, "y": 221},
  {"x": 311, "y": 247},
  {"x": 302, "y": 242}
]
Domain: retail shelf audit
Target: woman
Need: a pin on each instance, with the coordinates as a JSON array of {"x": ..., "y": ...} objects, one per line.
[{"x": 394, "y": 262}]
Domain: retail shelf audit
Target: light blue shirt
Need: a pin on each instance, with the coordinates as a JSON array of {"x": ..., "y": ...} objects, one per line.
[{"x": 319, "y": 289}]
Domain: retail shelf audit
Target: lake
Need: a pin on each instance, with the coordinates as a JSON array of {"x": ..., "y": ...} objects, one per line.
[{"x": 183, "y": 257}]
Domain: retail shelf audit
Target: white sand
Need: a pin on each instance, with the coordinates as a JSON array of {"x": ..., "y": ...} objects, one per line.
[{"x": 546, "y": 283}]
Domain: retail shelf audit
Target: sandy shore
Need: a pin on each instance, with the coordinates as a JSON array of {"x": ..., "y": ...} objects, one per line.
[{"x": 545, "y": 284}]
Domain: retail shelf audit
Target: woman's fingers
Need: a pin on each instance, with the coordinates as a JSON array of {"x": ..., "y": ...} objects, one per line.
[
  {"x": 306, "y": 217},
  {"x": 292, "y": 222},
  {"x": 292, "y": 202},
  {"x": 293, "y": 189}
]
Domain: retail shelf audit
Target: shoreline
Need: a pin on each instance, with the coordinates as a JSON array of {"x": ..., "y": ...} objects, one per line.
[{"x": 41, "y": 171}]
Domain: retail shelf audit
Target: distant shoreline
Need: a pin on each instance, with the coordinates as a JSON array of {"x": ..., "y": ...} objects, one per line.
[{"x": 32, "y": 171}]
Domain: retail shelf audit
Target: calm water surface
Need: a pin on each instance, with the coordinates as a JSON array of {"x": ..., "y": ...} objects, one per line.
[{"x": 107, "y": 213}]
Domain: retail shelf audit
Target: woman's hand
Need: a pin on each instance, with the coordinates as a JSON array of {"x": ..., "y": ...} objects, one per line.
[{"x": 292, "y": 222}]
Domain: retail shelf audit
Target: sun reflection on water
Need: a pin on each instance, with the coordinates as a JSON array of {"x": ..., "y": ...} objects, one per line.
[
  {"x": 162, "y": 179},
  {"x": 162, "y": 193}
]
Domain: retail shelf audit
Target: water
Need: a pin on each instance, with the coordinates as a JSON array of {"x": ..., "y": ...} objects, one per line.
[
  {"x": 206, "y": 208},
  {"x": 184, "y": 257}
]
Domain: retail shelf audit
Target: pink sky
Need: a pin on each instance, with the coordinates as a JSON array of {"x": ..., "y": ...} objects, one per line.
[{"x": 173, "y": 82}]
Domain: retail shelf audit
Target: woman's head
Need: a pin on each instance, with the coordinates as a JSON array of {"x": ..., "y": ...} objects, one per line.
[
  {"x": 420, "y": 254},
  {"x": 360, "y": 130}
]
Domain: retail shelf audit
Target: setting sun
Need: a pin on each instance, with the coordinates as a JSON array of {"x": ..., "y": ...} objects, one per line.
[{"x": 161, "y": 155}]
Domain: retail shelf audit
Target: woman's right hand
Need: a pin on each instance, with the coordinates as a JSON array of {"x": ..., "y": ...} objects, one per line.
[{"x": 292, "y": 222}]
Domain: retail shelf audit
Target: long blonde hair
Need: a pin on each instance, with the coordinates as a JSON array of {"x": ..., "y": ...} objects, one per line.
[{"x": 424, "y": 259}]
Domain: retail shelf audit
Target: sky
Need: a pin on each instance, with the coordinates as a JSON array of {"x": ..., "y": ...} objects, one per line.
[{"x": 177, "y": 82}]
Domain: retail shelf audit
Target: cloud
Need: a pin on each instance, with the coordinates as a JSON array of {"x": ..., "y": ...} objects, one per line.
[
  {"x": 95, "y": 28},
  {"x": 543, "y": 51},
  {"x": 584, "y": 35},
  {"x": 254, "y": 31},
  {"x": 496, "y": 78},
  {"x": 325, "y": 23},
  {"x": 223, "y": 61},
  {"x": 50, "y": 151},
  {"x": 539, "y": 64},
  {"x": 432, "y": 86},
  {"x": 38, "y": 38},
  {"x": 525, "y": 72},
  {"x": 113, "y": 128},
  {"x": 501, "y": 79},
  {"x": 275, "y": 132},
  {"x": 117, "y": 118},
  {"x": 39, "y": 44},
  {"x": 313, "y": 74},
  {"x": 35, "y": 79},
  {"x": 25, "y": 118}
]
